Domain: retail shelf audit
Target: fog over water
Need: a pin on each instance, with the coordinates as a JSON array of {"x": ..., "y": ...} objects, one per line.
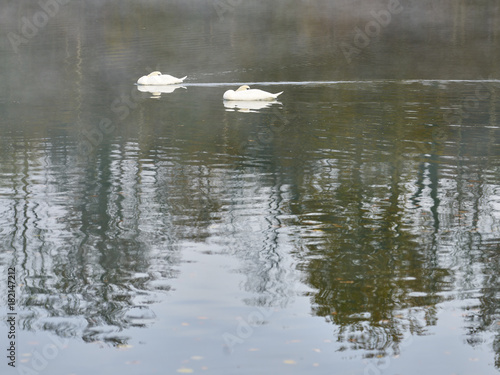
[{"x": 350, "y": 227}]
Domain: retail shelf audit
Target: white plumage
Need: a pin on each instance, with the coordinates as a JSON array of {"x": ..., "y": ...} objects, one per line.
[
  {"x": 156, "y": 78},
  {"x": 245, "y": 93}
]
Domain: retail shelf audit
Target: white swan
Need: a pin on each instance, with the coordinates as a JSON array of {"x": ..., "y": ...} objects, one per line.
[
  {"x": 245, "y": 93},
  {"x": 156, "y": 78}
]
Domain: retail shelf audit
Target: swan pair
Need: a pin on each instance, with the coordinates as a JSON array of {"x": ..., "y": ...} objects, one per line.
[{"x": 243, "y": 93}]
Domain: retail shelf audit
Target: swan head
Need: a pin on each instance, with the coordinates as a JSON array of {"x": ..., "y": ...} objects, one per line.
[
  {"x": 243, "y": 88},
  {"x": 155, "y": 73}
]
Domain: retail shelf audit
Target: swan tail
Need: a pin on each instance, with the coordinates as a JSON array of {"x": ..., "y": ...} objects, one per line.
[
  {"x": 278, "y": 94},
  {"x": 183, "y": 78}
]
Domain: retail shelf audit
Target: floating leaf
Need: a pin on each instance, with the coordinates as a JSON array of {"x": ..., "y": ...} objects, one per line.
[
  {"x": 202, "y": 317},
  {"x": 184, "y": 324},
  {"x": 253, "y": 349},
  {"x": 317, "y": 350},
  {"x": 315, "y": 364},
  {"x": 289, "y": 362},
  {"x": 196, "y": 357},
  {"x": 185, "y": 370},
  {"x": 136, "y": 362},
  {"x": 124, "y": 346}
]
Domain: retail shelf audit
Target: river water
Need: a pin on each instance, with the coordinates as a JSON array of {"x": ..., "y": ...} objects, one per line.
[{"x": 352, "y": 227}]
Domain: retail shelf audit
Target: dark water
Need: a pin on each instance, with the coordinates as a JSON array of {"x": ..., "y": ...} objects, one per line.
[{"x": 351, "y": 228}]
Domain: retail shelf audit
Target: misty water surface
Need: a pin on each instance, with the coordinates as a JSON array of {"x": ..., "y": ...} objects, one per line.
[{"x": 353, "y": 227}]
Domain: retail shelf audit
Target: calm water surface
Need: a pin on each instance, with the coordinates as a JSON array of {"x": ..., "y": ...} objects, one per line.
[{"x": 353, "y": 227}]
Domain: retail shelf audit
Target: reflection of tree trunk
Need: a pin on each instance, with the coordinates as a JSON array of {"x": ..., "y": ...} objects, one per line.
[
  {"x": 432, "y": 167},
  {"x": 459, "y": 11},
  {"x": 434, "y": 186},
  {"x": 493, "y": 114}
]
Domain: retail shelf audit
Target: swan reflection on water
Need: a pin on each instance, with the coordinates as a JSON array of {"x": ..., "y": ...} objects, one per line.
[
  {"x": 157, "y": 90},
  {"x": 247, "y": 105}
]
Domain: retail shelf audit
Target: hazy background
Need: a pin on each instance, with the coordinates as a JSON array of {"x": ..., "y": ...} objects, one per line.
[{"x": 358, "y": 218}]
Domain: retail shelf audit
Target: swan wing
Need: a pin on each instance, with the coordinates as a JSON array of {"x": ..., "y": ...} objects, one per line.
[
  {"x": 229, "y": 95},
  {"x": 164, "y": 79},
  {"x": 143, "y": 80},
  {"x": 255, "y": 94}
]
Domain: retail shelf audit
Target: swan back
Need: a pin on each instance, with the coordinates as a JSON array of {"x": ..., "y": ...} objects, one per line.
[
  {"x": 156, "y": 78},
  {"x": 245, "y": 93}
]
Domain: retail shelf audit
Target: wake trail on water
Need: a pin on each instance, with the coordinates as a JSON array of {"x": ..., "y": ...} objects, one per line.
[{"x": 313, "y": 83}]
